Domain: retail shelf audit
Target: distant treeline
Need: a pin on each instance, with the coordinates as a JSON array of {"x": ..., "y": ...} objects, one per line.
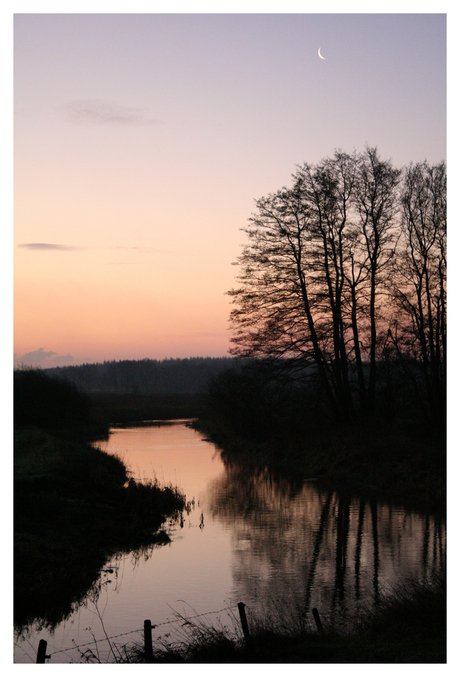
[{"x": 143, "y": 377}]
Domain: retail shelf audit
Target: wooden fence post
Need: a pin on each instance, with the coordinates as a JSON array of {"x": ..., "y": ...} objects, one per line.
[
  {"x": 319, "y": 625},
  {"x": 41, "y": 653},
  {"x": 148, "y": 650},
  {"x": 244, "y": 621}
]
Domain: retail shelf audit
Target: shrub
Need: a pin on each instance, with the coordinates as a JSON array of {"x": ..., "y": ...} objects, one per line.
[{"x": 46, "y": 402}]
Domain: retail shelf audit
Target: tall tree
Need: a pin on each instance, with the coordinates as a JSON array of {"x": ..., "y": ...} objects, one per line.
[
  {"x": 324, "y": 264},
  {"x": 328, "y": 194},
  {"x": 300, "y": 295},
  {"x": 419, "y": 281},
  {"x": 275, "y": 305},
  {"x": 376, "y": 200}
]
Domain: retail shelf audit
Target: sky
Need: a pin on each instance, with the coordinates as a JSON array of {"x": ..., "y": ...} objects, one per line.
[{"x": 141, "y": 142}]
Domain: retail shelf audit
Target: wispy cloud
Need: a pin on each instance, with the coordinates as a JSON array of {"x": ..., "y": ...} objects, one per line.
[
  {"x": 48, "y": 246},
  {"x": 41, "y": 246},
  {"x": 120, "y": 249},
  {"x": 106, "y": 113}
]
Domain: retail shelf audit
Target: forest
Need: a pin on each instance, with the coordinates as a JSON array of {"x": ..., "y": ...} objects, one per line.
[{"x": 144, "y": 377}]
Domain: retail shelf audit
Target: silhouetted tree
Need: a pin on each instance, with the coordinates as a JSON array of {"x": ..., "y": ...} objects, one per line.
[
  {"x": 376, "y": 199},
  {"x": 345, "y": 271},
  {"x": 312, "y": 275},
  {"x": 328, "y": 193},
  {"x": 418, "y": 281}
]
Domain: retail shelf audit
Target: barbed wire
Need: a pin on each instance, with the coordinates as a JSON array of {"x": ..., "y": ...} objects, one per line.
[
  {"x": 180, "y": 619},
  {"x": 95, "y": 641}
]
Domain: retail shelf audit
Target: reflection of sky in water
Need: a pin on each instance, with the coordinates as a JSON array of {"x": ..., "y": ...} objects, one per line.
[
  {"x": 249, "y": 538},
  {"x": 173, "y": 454}
]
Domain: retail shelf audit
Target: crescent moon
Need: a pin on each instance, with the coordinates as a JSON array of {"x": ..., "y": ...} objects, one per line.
[{"x": 319, "y": 54}]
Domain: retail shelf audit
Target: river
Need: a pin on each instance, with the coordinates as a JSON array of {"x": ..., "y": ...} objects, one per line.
[{"x": 281, "y": 548}]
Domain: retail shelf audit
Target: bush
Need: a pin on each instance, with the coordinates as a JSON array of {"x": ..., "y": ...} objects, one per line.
[{"x": 48, "y": 403}]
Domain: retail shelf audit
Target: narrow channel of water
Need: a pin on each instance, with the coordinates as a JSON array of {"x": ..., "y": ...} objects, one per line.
[{"x": 279, "y": 548}]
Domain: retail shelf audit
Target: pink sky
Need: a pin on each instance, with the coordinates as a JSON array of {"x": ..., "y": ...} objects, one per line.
[{"x": 142, "y": 141}]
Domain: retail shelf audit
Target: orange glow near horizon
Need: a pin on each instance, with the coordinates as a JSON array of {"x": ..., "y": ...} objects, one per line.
[
  {"x": 133, "y": 312},
  {"x": 142, "y": 141}
]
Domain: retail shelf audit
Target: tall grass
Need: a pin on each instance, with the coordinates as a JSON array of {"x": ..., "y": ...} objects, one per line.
[{"x": 408, "y": 627}]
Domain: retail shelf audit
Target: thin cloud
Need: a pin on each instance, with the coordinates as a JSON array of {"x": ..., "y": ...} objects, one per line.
[
  {"x": 43, "y": 359},
  {"x": 105, "y": 113},
  {"x": 35, "y": 357},
  {"x": 46, "y": 246}
]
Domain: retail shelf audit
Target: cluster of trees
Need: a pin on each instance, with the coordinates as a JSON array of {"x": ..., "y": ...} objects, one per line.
[
  {"x": 344, "y": 272},
  {"x": 156, "y": 377}
]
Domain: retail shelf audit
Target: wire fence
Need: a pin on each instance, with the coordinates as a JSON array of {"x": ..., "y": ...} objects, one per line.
[
  {"x": 42, "y": 654},
  {"x": 147, "y": 649}
]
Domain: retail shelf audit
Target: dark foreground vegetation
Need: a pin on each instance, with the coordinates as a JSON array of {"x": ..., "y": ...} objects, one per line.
[
  {"x": 409, "y": 627},
  {"x": 74, "y": 505},
  {"x": 54, "y": 405}
]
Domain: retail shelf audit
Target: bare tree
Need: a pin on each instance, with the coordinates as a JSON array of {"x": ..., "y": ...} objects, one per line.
[
  {"x": 376, "y": 199},
  {"x": 323, "y": 264},
  {"x": 293, "y": 295},
  {"x": 277, "y": 301},
  {"x": 419, "y": 281},
  {"x": 328, "y": 193}
]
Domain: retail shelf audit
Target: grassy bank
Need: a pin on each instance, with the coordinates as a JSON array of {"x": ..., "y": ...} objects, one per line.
[
  {"x": 402, "y": 462},
  {"x": 409, "y": 627},
  {"x": 74, "y": 506}
]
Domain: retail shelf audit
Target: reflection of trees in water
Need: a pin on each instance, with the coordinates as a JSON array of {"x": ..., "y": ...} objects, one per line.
[
  {"x": 319, "y": 548},
  {"x": 359, "y": 539}
]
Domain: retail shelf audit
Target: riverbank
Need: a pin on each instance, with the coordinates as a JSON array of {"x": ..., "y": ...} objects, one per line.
[
  {"x": 74, "y": 506},
  {"x": 400, "y": 462},
  {"x": 409, "y": 627}
]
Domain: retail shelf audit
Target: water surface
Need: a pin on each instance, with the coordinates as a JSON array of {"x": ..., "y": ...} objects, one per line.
[{"x": 279, "y": 547}]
